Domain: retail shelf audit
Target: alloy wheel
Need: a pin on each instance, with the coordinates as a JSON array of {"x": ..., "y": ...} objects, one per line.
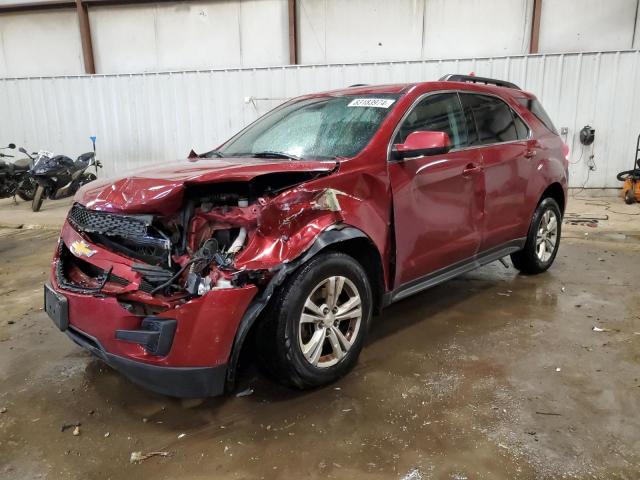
[
  {"x": 330, "y": 321},
  {"x": 547, "y": 236}
]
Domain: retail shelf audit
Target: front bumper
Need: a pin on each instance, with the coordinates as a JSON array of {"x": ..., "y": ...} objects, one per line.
[
  {"x": 188, "y": 360},
  {"x": 191, "y": 368},
  {"x": 181, "y": 382}
]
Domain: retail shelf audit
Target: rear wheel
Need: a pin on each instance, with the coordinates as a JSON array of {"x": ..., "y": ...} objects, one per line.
[
  {"x": 38, "y": 198},
  {"x": 27, "y": 190},
  {"x": 543, "y": 239},
  {"x": 316, "y": 325}
]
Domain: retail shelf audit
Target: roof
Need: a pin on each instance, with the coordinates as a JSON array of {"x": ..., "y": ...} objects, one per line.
[
  {"x": 400, "y": 88},
  {"x": 392, "y": 88}
]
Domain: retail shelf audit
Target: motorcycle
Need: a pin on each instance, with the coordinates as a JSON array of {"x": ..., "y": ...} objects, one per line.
[
  {"x": 15, "y": 178},
  {"x": 58, "y": 176}
]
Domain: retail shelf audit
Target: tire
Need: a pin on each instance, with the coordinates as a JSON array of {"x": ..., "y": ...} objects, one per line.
[
  {"x": 529, "y": 260},
  {"x": 28, "y": 190},
  {"x": 629, "y": 196},
  {"x": 38, "y": 198},
  {"x": 281, "y": 335}
]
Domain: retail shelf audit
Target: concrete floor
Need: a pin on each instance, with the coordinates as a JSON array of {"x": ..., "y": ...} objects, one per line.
[
  {"x": 493, "y": 375},
  {"x": 18, "y": 214}
]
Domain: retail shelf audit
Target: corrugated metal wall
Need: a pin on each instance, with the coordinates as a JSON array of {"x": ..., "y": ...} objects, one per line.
[{"x": 143, "y": 119}]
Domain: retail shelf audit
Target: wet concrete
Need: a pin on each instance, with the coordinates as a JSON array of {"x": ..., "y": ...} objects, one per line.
[{"x": 493, "y": 375}]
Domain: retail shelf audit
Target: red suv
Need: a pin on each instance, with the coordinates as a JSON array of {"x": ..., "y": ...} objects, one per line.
[{"x": 304, "y": 225}]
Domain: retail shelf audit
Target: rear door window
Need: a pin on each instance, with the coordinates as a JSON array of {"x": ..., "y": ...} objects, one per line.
[
  {"x": 439, "y": 113},
  {"x": 493, "y": 119},
  {"x": 521, "y": 127}
]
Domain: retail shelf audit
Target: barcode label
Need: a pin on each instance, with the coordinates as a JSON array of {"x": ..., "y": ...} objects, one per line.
[{"x": 371, "y": 102}]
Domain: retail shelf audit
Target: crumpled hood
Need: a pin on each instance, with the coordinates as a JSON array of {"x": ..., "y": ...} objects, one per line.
[{"x": 159, "y": 188}]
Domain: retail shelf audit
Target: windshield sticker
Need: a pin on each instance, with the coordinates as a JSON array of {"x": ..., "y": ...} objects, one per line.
[{"x": 371, "y": 102}]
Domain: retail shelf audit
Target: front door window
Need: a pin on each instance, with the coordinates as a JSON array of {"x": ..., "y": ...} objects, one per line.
[{"x": 437, "y": 113}]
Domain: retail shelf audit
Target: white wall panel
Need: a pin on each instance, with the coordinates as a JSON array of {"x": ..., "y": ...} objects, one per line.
[
  {"x": 470, "y": 28},
  {"x": 264, "y": 30},
  {"x": 41, "y": 43},
  {"x": 636, "y": 30},
  {"x": 587, "y": 25},
  {"x": 189, "y": 35},
  {"x": 143, "y": 119},
  {"x": 124, "y": 38},
  {"x": 335, "y": 31}
]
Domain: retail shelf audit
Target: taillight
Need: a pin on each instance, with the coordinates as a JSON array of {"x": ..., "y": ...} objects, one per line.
[{"x": 565, "y": 151}]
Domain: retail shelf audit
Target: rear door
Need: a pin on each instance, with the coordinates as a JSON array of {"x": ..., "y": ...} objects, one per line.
[
  {"x": 507, "y": 161},
  {"x": 437, "y": 200}
]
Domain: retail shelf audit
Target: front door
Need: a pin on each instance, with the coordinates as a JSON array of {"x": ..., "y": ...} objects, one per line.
[{"x": 437, "y": 200}]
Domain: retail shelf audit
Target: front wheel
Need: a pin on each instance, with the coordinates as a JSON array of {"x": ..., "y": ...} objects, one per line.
[
  {"x": 38, "y": 198},
  {"x": 543, "y": 239},
  {"x": 316, "y": 324}
]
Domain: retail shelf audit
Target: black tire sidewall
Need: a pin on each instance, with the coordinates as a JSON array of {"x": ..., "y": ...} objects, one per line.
[
  {"x": 546, "y": 204},
  {"x": 320, "y": 268},
  {"x": 38, "y": 198}
]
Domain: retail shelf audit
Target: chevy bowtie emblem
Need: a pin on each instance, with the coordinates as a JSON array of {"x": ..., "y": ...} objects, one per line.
[{"x": 80, "y": 248}]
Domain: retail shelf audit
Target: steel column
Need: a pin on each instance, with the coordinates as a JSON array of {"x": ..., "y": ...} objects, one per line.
[
  {"x": 535, "y": 26},
  {"x": 293, "y": 32}
]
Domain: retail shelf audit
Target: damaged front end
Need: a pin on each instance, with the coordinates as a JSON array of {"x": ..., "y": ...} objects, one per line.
[
  {"x": 223, "y": 239},
  {"x": 170, "y": 290}
]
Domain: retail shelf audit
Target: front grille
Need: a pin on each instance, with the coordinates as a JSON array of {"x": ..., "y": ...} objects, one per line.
[
  {"x": 104, "y": 223},
  {"x": 131, "y": 235}
]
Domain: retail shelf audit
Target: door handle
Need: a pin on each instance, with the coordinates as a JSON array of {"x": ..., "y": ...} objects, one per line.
[
  {"x": 530, "y": 153},
  {"x": 470, "y": 169}
]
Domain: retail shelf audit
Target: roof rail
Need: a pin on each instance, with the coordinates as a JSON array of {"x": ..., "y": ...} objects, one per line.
[
  {"x": 359, "y": 85},
  {"x": 473, "y": 79}
]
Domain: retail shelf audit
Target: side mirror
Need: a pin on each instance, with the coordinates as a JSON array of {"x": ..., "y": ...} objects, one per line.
[
  {"x": 22, "y": 150},
  {"x": 11, "y": 146},
  {"x": 419, "y": 144}
]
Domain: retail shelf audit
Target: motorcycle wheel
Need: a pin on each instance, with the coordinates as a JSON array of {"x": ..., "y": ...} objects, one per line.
[
  {"x": 38, "y": 198},
  {"x": 28, "y": 190}
]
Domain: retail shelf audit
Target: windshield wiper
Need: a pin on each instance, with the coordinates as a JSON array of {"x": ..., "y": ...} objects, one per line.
[
  {"x": 273, "y": 154},
  {"x": 213, "y": 153}
]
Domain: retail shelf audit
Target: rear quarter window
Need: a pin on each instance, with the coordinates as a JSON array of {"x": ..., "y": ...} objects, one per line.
[{"x": 535, "y": 107}]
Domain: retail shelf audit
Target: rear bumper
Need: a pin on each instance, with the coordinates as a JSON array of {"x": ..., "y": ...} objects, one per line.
[{"x": 182, "y": 382}]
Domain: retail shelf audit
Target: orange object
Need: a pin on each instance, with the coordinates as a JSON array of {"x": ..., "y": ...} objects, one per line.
[
  {"x": 631, "y": 179},
  {"x": 631, "y": 191}
]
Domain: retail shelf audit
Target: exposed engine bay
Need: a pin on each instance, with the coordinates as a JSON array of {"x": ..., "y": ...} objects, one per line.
[{"x": 225, "y": 235}]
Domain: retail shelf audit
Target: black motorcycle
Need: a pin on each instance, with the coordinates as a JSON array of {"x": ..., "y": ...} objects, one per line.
[
  {"x": 15, "y": 178},
  {"x": 58, "y": 176}
]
